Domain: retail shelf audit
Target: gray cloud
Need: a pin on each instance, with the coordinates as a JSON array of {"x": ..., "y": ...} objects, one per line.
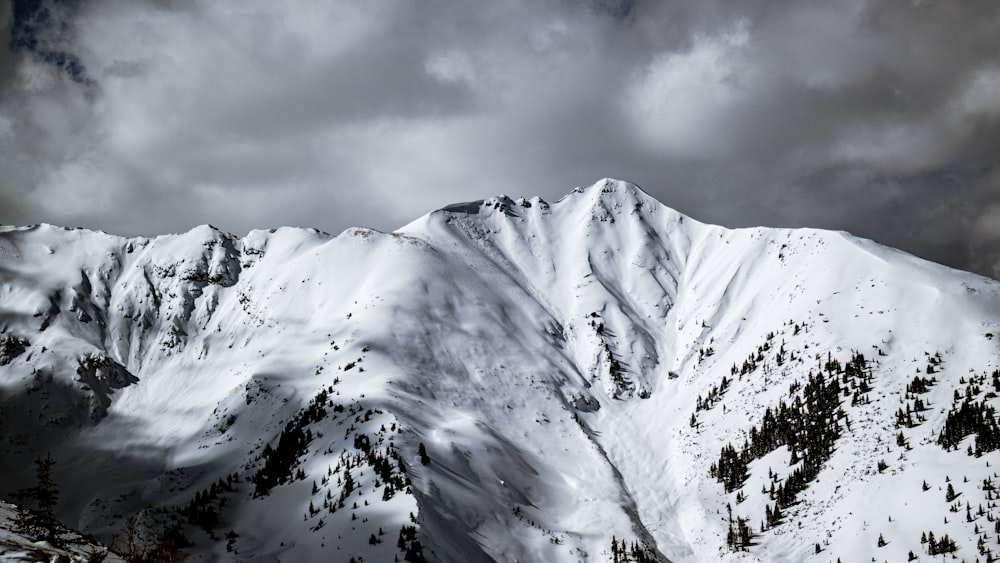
[{"x": 878, "y": 118}]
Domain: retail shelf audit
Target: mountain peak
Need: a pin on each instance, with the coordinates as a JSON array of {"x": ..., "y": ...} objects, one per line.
[
  {"x": 612, "y": 190},
  {"x": 613, "y": 186},
  {"x": 601, "y": 200}
]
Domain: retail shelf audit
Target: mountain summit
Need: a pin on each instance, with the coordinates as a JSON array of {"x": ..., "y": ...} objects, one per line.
[{"x": 599, "y": 378}]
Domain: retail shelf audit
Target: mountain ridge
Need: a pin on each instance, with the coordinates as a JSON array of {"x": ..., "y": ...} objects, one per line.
[{"x": 558, "y": 366}]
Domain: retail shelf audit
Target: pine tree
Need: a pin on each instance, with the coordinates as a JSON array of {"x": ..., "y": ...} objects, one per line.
[
  {"x": 39, "y": 523},
  {"x": 950, "y": 494}
]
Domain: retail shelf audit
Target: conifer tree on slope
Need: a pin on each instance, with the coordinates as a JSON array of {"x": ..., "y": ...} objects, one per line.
[{"x": 39, "y": 523}]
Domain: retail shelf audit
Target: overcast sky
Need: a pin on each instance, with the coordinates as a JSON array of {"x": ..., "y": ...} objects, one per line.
[{"x": 152, "y": 116}]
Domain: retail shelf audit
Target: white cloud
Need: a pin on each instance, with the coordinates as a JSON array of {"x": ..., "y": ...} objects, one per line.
[
  {"x": 981, "y": 96},
  {"x": 682, "y": 103}
]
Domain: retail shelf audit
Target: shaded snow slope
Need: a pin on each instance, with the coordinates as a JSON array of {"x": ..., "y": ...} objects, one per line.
[
  {"x": 505, "y": 380},
  {"x": 74, "y": 548}
]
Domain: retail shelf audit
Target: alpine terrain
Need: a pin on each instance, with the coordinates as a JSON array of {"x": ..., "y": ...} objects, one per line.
[{"x": 598, "y": 378}]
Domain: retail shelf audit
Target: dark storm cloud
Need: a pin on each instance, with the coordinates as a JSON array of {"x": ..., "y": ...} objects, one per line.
[
  {"x": 882, "y": 118},
  {"x": 38, "y": 26}
]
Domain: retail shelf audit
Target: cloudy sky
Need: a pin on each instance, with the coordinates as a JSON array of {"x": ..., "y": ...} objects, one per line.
[{"x": 152, "y": 116}]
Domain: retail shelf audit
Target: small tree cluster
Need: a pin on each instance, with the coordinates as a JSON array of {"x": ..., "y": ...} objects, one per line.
[
  {"x": 934, "y": 363},
  {"x": 279, "y": 461},
  {"x": 739, "y": 535},
  {"x": 202, "y": 511},
  {"x": 713, "y": 397},
  {"x": 911, "y": 416},
  {"x": 772, "y": 516},
  {"x": 938, "y": 546},
  {"x": 410, "y": 545},
  {"x": 36, "y": 519},
  {"x": 731, "y": 469},
  {"x": 623, "y": 553},
  {"x": 971, "y": 417},
  {"x": 750, "y": 364},
  {"x": 706, "y": 352},
  {"x": 165, "y": 546},
  {"x": 920, "y": 385}
]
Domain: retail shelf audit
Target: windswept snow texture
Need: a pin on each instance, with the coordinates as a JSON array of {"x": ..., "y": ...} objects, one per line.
[{"x": 503, "y": 380}]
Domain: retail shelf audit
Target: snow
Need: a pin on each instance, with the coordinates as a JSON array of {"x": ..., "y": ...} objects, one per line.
[
  {"x": 15, "y": 547},
  {"x": 547, "y": 356}
]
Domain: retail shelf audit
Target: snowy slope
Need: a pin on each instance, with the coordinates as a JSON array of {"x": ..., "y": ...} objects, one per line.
[
  {"x": 503, "y": 380},
  {"x": 16, "y": 547}
]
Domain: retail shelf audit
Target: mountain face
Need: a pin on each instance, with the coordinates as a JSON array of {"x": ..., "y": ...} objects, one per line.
[{"x": 596, "y": 379}]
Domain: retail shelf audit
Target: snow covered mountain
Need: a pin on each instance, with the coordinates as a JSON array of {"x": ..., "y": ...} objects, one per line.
[{"x": 596, "y": 379}]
